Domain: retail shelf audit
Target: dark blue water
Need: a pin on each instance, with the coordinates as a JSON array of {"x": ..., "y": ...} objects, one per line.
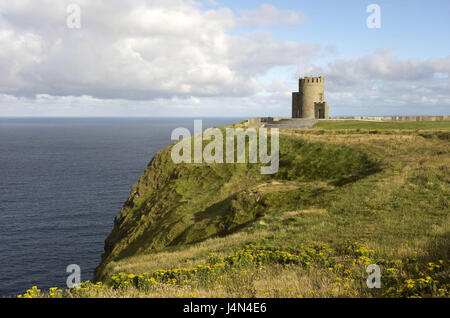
[{"x": 62, "y": 181}]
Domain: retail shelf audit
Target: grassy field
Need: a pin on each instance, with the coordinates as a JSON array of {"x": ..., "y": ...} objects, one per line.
[
  {"x": 353, "y": 124},
  {"x": 342, "y": 199}
]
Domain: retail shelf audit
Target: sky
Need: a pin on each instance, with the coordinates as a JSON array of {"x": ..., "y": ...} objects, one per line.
[{"x": 187, "y": 58}]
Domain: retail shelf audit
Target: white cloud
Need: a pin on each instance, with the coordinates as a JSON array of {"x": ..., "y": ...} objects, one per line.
[
  {"x": 381, "y": 65},
  {"x": 267, "y": 15},
  {"x": 174, "y": 57},
  {"x": 380, "y": 81},
  {"x": 139, "y": 50}
]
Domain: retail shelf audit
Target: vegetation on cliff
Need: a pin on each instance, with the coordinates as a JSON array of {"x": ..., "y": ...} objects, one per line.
[
  {"x": 341, "y": 200},
  {"x": 179, "y": 204}
]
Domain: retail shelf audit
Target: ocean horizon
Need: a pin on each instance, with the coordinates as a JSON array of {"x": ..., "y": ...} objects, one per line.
[{"x": 62, "y": 182}]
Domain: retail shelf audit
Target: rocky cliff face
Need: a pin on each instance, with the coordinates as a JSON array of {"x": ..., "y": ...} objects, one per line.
[{"x": 180, "y": 204}]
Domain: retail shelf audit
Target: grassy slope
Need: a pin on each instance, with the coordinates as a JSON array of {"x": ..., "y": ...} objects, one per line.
[
  {"x": 173, "y": 205},
  {"x": 341, "y": 200}
]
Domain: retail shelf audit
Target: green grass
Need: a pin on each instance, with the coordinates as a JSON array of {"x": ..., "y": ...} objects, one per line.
[
  {"x": 340, "y": 201},
  {"x": 173, "y": 205},
  {"x": 353, "y": 124},
  {"x": 387, "y": 190}
]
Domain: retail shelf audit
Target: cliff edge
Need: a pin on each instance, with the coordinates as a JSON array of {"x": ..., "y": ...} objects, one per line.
[{"x": 179, "y": 204}]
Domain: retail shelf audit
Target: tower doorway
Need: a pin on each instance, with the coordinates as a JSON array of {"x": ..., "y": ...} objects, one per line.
[{"x": 319, "y": 110}]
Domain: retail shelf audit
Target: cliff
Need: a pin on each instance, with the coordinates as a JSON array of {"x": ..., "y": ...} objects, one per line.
[
  {"x": 348, "y": 196},
  {"x": 179, "y": 204}
]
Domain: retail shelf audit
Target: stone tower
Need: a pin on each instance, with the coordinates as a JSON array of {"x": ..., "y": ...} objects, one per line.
[{"x": 309, "y": 101}]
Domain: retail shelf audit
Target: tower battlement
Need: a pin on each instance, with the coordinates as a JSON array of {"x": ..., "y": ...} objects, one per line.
[
  {"x": 309, "y": 101},
  {"x": 312, "y": 80}
]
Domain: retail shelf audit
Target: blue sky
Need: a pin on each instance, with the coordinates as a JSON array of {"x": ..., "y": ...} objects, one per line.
[
  {"x": 216, "y": 58},
  {"x": 413, "y": 28}
]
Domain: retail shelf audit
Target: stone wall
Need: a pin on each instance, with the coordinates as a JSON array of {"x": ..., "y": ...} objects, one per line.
[{"x": 395, "y": 118}]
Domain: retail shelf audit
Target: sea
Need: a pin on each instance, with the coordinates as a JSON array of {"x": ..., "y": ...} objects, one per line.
[{"x": 62, "y": 182}]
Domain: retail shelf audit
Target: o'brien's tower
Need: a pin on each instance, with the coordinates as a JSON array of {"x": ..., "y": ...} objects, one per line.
[{"x": 309, "y": 101}]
